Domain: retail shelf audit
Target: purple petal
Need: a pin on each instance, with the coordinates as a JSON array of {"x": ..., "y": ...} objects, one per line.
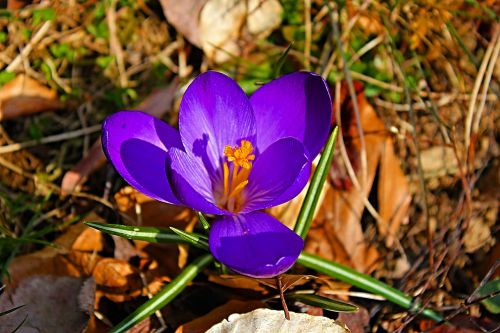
[
  {"x": 254, "y": 244},
  {"x": 137, "y": 144},
  {"x": 214, "y": 112},
  {"x": 279, "y": 174},
  {"x": 296, "y": 105},
  {"x": 191, "y": 182}
]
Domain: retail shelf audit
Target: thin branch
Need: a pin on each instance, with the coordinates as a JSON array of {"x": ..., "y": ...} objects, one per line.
[{"x": 49, "y": 139}]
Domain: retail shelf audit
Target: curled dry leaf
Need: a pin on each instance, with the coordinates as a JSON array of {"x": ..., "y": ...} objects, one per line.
[
  {"x": 156, "y": 104},
  {"x": 223, "y": 28},
  {"x": 237, "y": 281},
  {"x": 51, "y": 304},
  {"x": 265, "y": 320},
  {"x": 24, "y": 96}
]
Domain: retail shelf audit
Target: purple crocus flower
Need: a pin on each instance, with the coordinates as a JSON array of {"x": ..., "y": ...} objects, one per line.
[{"x": 233, "y": 156}]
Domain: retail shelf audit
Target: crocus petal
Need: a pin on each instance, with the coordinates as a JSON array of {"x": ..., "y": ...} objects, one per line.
[
  {"x": 214, "y": 113},
  {"x": 137, "y": 144},
  {"x": 254, "y": 244},
  {"x": 274, "y": 178},
  {"x": 191, "y": 182},
  {"x": 295, "y": 105}
]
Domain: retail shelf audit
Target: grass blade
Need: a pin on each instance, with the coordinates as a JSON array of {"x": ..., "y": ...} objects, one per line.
[
  {"x": 365, "y": 282},
  {"x": 323, "y": 302},
  {"x": 281, "y": 61},
  {"x": 167, "y": 294},
  {"x": 6, "y": 312},
  {"x": 313, "y": 192},
  {"x": 148, "y": 234},
  {"x": 20, "y": 324},
  {"x": 199, "y": 241},
  {"x": 204, "y": 222}
]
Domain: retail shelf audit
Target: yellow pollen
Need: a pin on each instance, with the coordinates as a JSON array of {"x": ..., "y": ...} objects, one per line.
[
  {"x": 240, "y": 156},
  {"x": 235, "y": 179}
]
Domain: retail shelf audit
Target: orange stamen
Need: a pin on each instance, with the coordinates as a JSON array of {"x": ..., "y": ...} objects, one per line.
[{"x": 242, "y": 157}]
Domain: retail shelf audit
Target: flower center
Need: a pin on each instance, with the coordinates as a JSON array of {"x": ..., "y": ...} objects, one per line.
[{"x": 236, "y": 178}]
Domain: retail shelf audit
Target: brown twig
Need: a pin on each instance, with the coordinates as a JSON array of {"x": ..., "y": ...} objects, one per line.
[{"x": 282, "y": 297}]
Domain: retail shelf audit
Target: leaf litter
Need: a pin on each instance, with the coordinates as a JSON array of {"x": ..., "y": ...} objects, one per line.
[{"x": 391, "y": 242}]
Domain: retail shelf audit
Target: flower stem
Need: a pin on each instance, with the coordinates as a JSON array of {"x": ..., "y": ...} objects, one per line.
[{"x": 282, "y": 297}]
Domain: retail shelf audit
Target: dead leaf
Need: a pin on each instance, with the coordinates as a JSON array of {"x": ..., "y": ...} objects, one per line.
[
  {"x": 117, "y": 274},
  {"x": 48, "y": 261},
  {"x": 265, "y": 320},
  {"x": 358, "y": 322},
  {"x": 175, "y": 12},
  {"x": 89, "y": 240},
  {"x": 52, "y": 304},
  {"x": 156, "y": 104},
  {"x": 223, "y": 28},
  {"x": 203, "y": 323},
  {"x": 237, "y": 281},
  {"x": 24, "y": 96}
]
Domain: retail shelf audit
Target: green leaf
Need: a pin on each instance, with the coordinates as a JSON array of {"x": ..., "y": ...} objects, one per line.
[
  {"x": 492, "y": 304},
  {"x": 104, "y": 61},
  {"x": 43, "y": 14},
  {"x": 364, "y": 282},
  {"x": 203, "y": 221},
  {"x": 281, "y": 60},
  {"x": 148, "y": 234},
  {"x": 323, "y": 302},
  {"x": 6, "y": 77},
  {"x": 99, "y": 29},
  {"x": 197, "y": 240},
  {"x": 313, "y": 192},
  {"x": 167, "y": 294}
]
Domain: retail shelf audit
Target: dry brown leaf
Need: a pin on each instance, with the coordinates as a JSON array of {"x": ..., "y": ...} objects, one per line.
[
  {"x": 156, "y": 104},
  {"x": 51, "y": 304},
  {"x": 337, "y": 233},
  {"x": 358, "y": 322},
  {"x": 48, "y": 261},
  {"x": 24, "y": 95},
  {"x": 203, "y": 323},
  {"x": 89, "y": 240},
  {"x": 114, "y": 273},
  {"x": 237, "y": 281},
  {"x": 223, "y": 28}
]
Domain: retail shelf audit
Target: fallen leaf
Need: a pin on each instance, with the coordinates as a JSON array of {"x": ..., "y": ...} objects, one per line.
[
  {"x": 47, "y": 261},
  {"x": 337, "y": 233},
  {"x": 237, "y": 282},
  {"x": 116, "y": 274},
  {"x": 358, "y": 322},
  {"x": 203, "y": 323},
  {"x": 24, "y": 96},
  {"x": 265, "y": 320},
  {"x": 51, "y": 304},
  {"x": 223, "y": 28},
  {"x": 89, "y": 240},
  {"x": 156, "y": 104}
]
